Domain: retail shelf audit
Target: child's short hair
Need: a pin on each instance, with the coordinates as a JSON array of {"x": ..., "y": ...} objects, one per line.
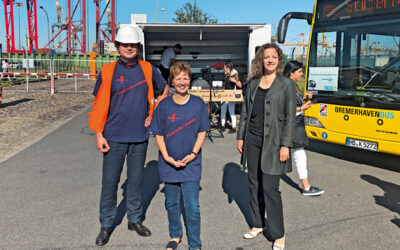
[{"x": 179, "y": 67}]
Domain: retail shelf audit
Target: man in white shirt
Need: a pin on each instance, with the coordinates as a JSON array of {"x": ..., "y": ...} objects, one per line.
[{"x": 168, "y": 59}]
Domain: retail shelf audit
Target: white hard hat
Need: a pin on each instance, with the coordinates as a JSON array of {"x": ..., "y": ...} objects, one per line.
[{"x": 127, "y": 34}]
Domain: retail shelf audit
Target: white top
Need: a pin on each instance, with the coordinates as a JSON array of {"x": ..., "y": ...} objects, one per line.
[
  {"x": 3, "y": 64},
  {"x": 234, "y": 72},
  {"x": 166, "y": 57}
]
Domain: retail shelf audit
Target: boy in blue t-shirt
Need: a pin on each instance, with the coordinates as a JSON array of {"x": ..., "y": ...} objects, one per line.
[{"x": 180, "y": 123}]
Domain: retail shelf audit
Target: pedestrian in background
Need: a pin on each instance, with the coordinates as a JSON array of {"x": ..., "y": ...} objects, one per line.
[
  {"x": 122, "y": 111},
  {"x": 5, "y": 67},
  {"x": 180, "y": 124},
  {"x": 264, "y": 136},
  {"x": 231, "y": 82},
  {"x": 168, "y": 59},
  {"x": 294, "y": 70}
]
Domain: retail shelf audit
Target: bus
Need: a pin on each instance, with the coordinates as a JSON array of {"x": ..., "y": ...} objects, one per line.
[{"x": 353, "y": 70}]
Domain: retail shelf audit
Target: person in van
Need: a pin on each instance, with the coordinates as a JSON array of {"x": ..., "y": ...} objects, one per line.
[{"x": 231, "y": 82}]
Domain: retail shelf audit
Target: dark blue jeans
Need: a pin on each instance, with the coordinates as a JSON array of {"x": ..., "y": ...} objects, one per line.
[
  {"x": 113, "y": 162},
  {"x": 190, "y": 195}
]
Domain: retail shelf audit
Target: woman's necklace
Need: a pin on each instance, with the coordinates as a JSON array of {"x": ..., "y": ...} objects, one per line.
[{"x": 266, "y": 81}]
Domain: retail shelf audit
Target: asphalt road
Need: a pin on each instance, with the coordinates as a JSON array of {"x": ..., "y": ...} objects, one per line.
[{"x": 49, "y": 197}]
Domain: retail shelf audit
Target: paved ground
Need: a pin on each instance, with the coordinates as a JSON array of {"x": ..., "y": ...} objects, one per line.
[
  {"x": 26, "y": 117},
  {"x": 50, "y": 193}
]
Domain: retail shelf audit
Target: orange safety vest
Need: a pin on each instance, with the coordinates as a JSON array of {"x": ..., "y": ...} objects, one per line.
[{"x": 101, "y": 104}]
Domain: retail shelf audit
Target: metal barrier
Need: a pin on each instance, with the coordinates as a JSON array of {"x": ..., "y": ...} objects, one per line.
[
  {"x": 62, "y": 75},
  {"x": 27, "y": 73},
  {"x": 76, "y": 75}
]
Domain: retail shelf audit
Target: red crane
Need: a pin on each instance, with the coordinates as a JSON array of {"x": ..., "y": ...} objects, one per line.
[
  {"x": 107, "y": 30},
  {"x": 32, "y": 25},
  {"x": 72, "y": 27},
  {"x": 72, "y": 30}
]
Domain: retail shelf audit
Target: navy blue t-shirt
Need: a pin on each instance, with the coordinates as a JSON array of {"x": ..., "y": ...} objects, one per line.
[
  {"x": 128, "y": 103},
  {"x": 180, "y": 124}
]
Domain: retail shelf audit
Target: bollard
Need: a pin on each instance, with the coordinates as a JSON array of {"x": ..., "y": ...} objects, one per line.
[
  {"x": 1, "y": 92},
  {"x": 52, "y": 77},
  {"x": 52, "y": 84},
  {"x": 76, "y": 84},
  {"x": 27, "y": 76}
]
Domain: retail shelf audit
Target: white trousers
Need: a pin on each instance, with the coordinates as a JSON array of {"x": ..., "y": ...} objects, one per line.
[
  {"x": 300, "y": 159},
  {"x": 231, "y": 109}
]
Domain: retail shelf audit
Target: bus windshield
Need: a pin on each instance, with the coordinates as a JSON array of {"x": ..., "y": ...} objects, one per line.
[{"x": 354, "y": 56}]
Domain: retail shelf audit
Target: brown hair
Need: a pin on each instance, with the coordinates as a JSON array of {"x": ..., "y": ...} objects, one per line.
[
  {"x": 179, "y": 67},
  {"x": 229, "y": 65},
  {"x": 257, "y": 64}
]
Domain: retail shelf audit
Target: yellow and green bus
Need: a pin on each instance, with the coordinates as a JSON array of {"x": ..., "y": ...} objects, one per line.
[{"x": 353, "y": 70}]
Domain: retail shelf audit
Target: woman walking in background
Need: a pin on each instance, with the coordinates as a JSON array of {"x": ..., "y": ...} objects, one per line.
[
  {"x": 5, "y": 67},
  {"x": 264, "y": 137},
  {"x": 294, "y": 70}
]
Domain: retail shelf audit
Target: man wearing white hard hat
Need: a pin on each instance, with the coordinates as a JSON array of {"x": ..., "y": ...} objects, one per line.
[{"x": 122, "y": 111}]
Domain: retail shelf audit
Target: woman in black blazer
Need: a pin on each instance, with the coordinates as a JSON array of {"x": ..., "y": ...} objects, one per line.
[{"x": 264, "y": 138}]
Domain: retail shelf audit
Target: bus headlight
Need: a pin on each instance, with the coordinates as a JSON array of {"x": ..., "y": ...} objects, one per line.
[{"x": 313, "y": 122}]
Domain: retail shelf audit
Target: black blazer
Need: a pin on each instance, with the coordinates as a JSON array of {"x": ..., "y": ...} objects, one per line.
[{"x": 279, "y": 122}]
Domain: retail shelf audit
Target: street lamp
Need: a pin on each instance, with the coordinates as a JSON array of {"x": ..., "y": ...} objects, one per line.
[
  {"x": 156, "y": 10},
  {"x": 165, "y": 11},
  {"x": 48, "y": 27},
  {"x": 19, "y": 22}
]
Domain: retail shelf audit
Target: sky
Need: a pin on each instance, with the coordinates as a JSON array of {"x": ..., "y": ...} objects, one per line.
[{"x": 232, "y": 11}]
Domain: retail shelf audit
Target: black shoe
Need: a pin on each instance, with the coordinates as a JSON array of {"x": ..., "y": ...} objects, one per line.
[
  {"x": 104, "y": 236},
  {"x": 139, "y": 228},
  {"x": 232, "y": 131},
  {"x": 222, "y": 129}
]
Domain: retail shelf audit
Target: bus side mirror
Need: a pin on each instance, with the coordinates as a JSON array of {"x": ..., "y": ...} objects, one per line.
[{"x": 284, "y": 22}]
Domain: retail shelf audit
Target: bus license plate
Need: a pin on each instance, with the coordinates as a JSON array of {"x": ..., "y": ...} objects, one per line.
[{"x": 373, "y": 146}]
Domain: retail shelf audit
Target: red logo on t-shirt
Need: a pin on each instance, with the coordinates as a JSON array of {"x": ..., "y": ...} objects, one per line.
[
  {"x": 178, "y": 129},
  {"x": 173, "y": 117},
  {"x": 121, "y": 79}
]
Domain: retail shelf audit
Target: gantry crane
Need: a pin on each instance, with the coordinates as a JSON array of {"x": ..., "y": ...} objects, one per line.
[
  {"x": 326, "y": 44},
  {"x": 106, "y": 30},
  {"x": 72, "y": 26},
  {"x": 32, "y": 25},
  {"x": 71, "y": 29},
  {"x": 300, "y": 45}
]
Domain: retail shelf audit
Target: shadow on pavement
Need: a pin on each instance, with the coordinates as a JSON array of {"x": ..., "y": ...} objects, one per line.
[
  {"x": 291, "y": 183},
  {"x": 151, "y": 184},
  {"x": 381, "y": 160},
  {"x": 16, "y": 102},
  {"x": 235, "y": 184},
  {"x": 390, "y": 198},
  {"x": 87, "y": 131}
]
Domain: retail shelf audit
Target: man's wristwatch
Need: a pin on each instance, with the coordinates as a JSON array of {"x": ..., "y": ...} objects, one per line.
[{"x": 194, "y": 154}]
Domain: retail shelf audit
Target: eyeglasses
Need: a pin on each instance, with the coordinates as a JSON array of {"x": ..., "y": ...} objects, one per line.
[{"x": 132, "y": 45}]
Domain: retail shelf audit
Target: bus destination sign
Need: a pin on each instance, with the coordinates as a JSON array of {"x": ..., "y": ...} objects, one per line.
[{"x": 330, "y": 10}]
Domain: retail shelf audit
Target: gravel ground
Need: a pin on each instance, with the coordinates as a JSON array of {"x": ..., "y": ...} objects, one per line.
[{"x": 26, "y": 117}]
